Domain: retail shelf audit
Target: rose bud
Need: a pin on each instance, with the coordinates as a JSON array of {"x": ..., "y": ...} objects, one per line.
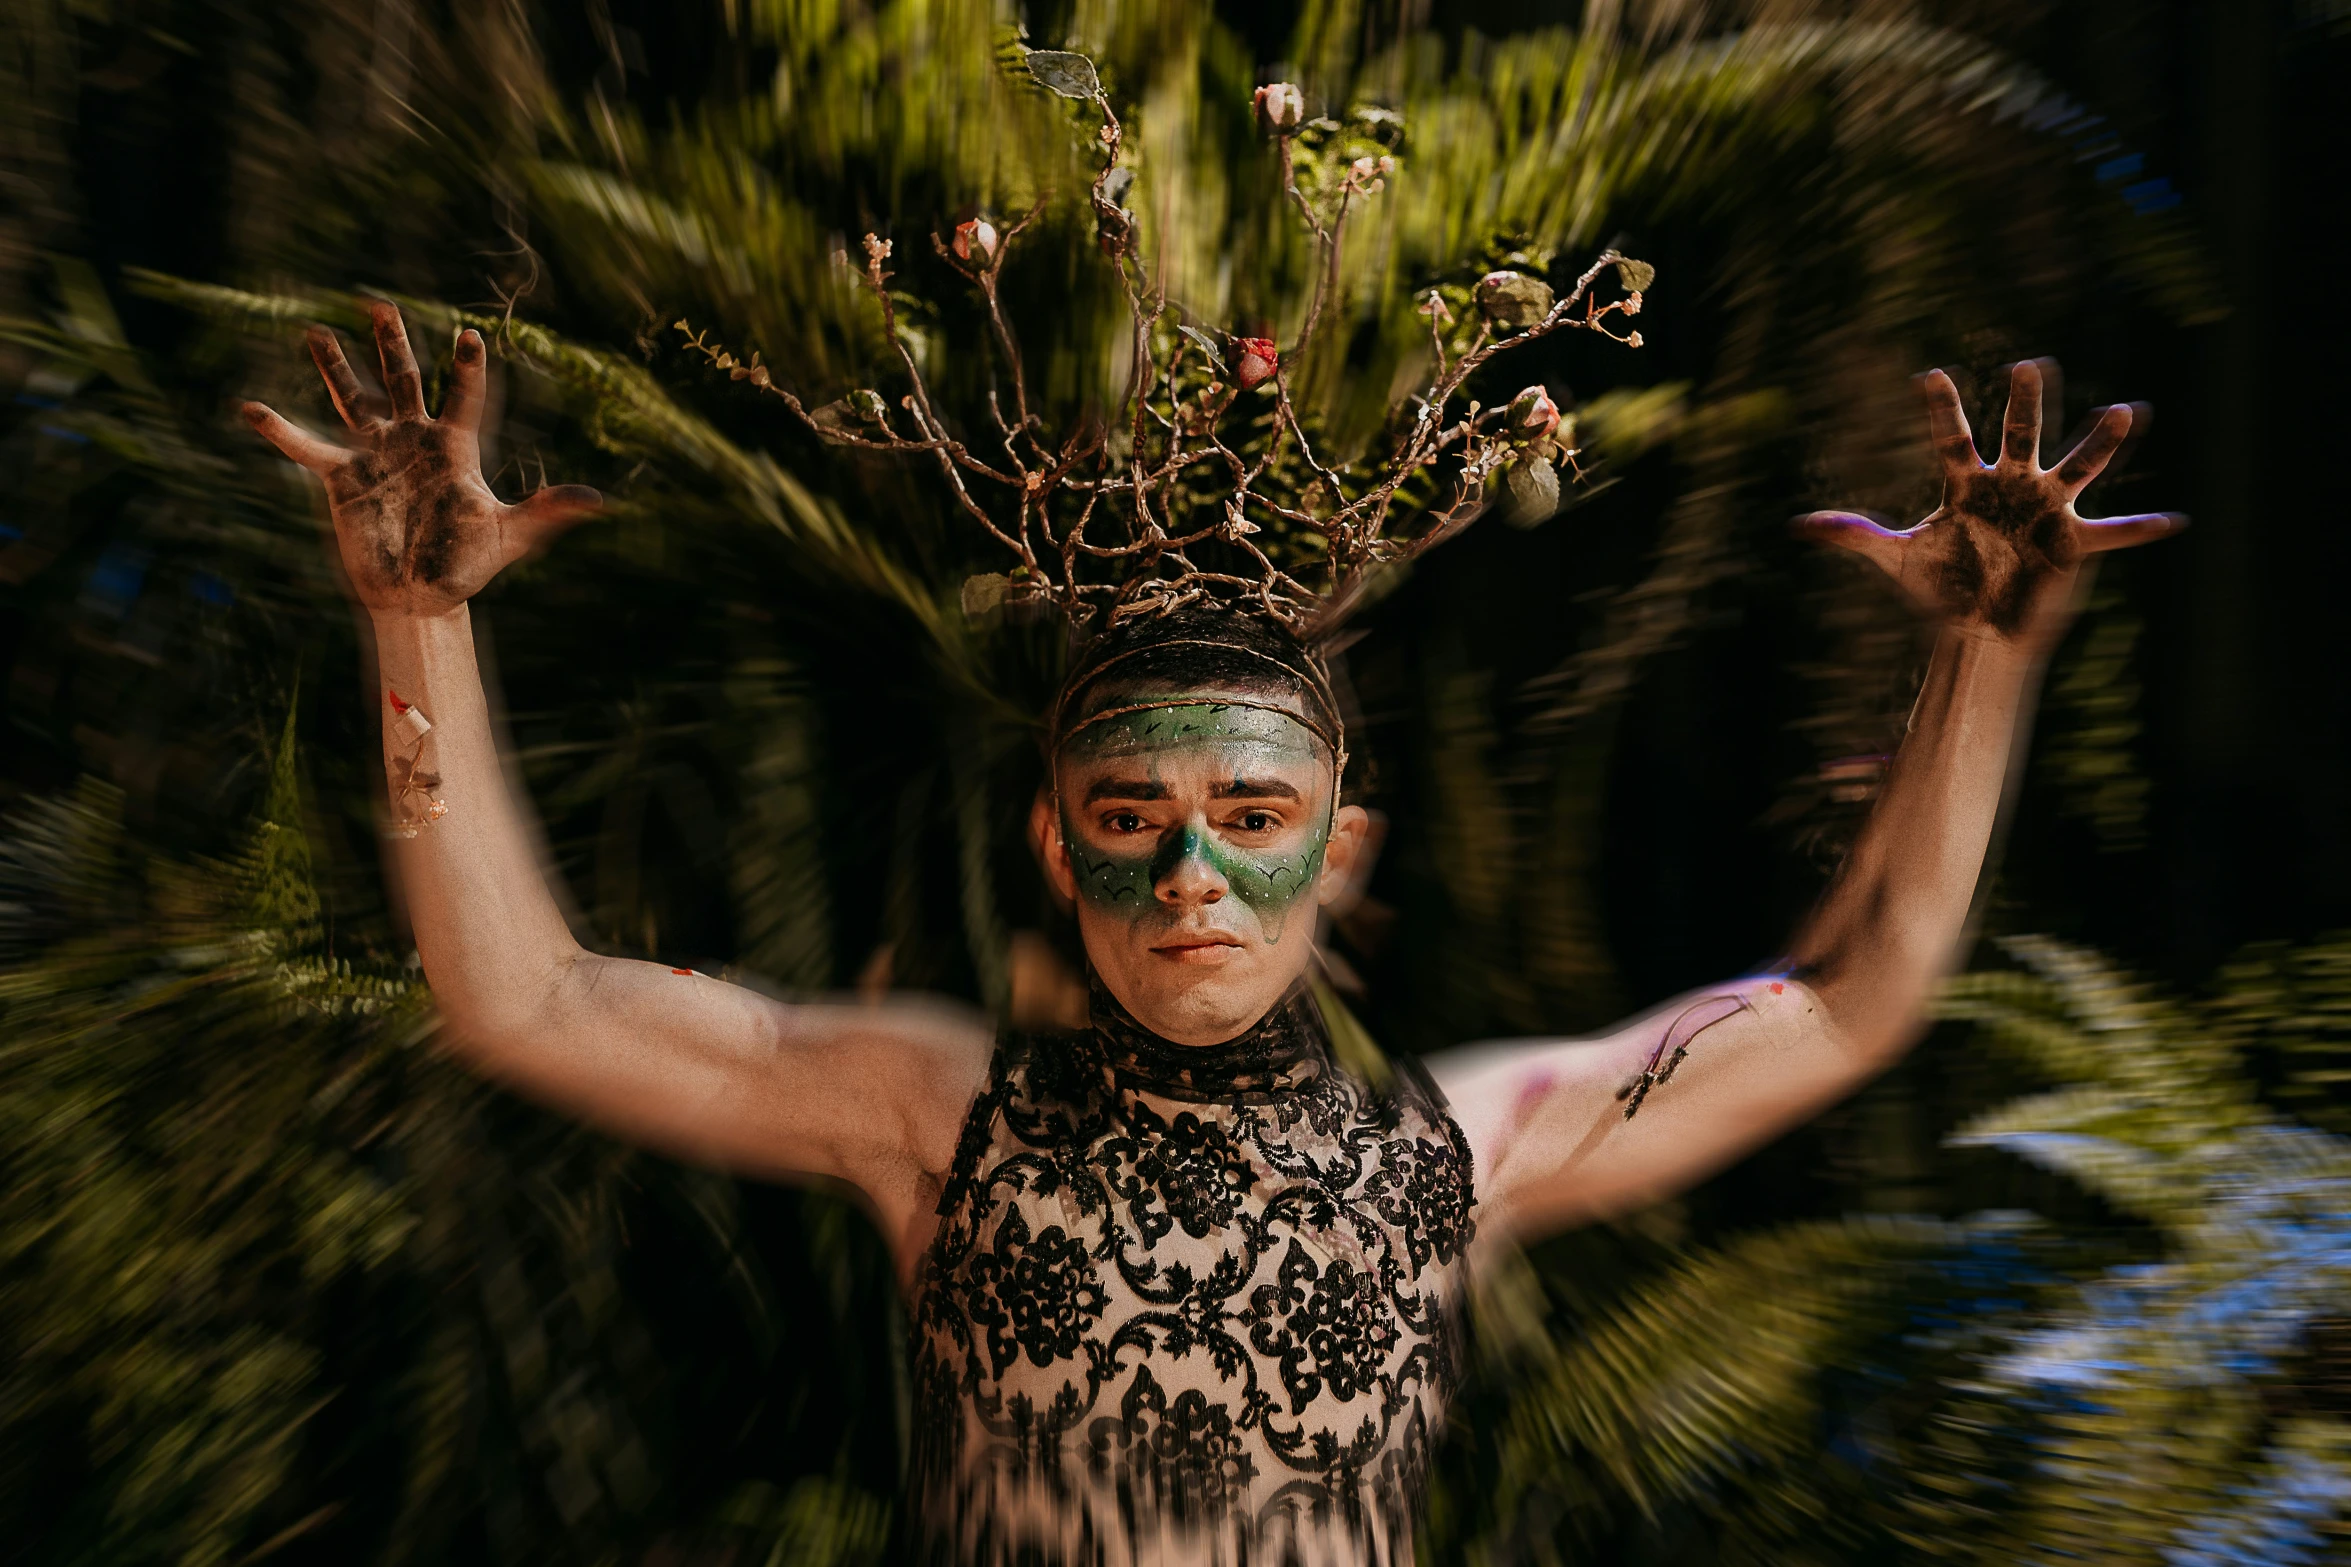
[
  {"x": 1280, "y": 107},
  {"x": 975, "y": 240},
  {"x": 1254, "y": 360},
  {"x": 1532, "y": 416}
]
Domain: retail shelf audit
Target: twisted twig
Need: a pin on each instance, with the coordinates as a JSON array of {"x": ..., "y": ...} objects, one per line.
[{"x": 1170, "y": 435}]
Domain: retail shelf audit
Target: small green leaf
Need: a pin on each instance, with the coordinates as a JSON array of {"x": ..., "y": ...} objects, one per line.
[
  {"x": 1636, "y": 276},
  {"x": 1071, "y": 75},
  {"x": 1512, "y": 300},
  {"x": 1207, "y": 346},
  {"x": 984, "y": 594}
]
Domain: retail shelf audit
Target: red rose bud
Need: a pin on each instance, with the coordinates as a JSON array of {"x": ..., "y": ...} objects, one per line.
[
  {"x": 1254, "y": 360},
  {"x": 1280, "y": 107},
  {"x": 1532, "y": 416},
  {"x": 975, "y": 240}
]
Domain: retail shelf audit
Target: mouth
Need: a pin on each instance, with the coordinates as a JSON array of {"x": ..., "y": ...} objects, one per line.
[{"x": 1206, "y": 947}]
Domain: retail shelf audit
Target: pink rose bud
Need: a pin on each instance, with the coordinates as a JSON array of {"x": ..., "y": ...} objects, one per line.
[
  {"x": 1363, "y": 168},
  {"x": 975, "y": 240},
  {"x": 1280, "y": 107},
  {"x": 1255, "y": 360},
  {"x": 1532, "y": 416}
]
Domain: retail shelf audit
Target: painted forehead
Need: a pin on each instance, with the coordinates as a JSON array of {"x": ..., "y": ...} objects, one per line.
[{"x": 1177, "y": 721}]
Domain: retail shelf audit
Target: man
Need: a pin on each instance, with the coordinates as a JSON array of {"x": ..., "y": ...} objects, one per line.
[{"x": 1183, "y": 1289}]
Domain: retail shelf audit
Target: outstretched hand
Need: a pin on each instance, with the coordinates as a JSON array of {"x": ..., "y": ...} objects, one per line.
[
  {"x": 419, "y": 530},
  {"x": 2003, "y": 554}
]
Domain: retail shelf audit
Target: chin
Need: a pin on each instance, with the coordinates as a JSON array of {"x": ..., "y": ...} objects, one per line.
[{"x": 1200, "y": 1006}]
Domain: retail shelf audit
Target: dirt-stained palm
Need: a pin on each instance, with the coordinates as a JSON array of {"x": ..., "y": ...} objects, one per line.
[
  {"x": 2003, "y": 554},
  {"x": 419, "y": 529}
]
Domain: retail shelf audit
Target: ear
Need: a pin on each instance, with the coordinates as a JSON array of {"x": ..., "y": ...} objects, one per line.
[
  {"x": 1346, "y": 859},
  {"x": 1052, "y": 853}
]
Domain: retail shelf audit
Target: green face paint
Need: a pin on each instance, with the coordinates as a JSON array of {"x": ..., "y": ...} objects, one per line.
[{"x": 1244, "y": 742}]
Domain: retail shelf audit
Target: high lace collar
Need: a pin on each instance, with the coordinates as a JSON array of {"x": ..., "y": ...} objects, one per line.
[{"x": 1279, "y": 1052}]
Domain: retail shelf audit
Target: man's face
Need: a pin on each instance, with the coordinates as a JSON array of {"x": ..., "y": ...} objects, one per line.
[{"x": 1198, "y": 842}]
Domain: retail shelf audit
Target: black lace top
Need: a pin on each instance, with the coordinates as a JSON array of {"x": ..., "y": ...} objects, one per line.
[{"x": 1188, "y": 1305}]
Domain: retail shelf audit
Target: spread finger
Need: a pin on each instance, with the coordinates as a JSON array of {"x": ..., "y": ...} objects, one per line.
[
  {"x": 1947, "y": 422},
  {"x": 402, "y": 381},
  {"x": 2096, "y": 449},
  {"x": 326, "y": 351},
  {"x": 1851, "y": 531},
  {"x": 463, "y": 406},
  {"x": 2120, "y": 533},
  {"x": 2020, "y": 433},
  {"x": 297, "y": 443},
  {"x": 541, "y": 515}
]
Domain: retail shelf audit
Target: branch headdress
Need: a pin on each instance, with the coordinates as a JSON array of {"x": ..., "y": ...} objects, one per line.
[{"x": 1202, "y": 501}]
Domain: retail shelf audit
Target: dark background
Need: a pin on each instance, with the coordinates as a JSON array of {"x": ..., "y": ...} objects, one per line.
[
  {"x": 2235, "y": 115},
  {"x": 2234, "y": 110}
]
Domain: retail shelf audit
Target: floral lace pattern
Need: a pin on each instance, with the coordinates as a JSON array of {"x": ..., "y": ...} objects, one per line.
[{"x": 1188, "y": 1305}]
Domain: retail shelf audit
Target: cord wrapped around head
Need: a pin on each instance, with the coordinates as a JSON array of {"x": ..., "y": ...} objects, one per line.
[{"x": 1242, "y": 658}]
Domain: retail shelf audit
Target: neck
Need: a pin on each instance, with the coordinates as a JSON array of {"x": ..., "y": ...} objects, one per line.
[{"x": 1285, "y": 1047}]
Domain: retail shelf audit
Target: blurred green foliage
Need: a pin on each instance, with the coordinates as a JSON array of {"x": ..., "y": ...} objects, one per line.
[{"x": 277, "y": 1282}]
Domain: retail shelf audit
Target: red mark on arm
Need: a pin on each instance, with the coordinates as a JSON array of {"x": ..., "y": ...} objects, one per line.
[
  {"x": 398, "y": 706},
  {"x": 681, "y": 971},
  {"x": 1778, "y": 989}
]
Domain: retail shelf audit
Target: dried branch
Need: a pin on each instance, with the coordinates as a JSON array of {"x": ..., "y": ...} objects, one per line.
[{"x": 1158, "y": 500}]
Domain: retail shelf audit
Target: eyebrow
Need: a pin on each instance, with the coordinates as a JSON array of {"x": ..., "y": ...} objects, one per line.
[
  {"x": 1255, "y": 789},
  {"x": 1124, "y": 789},
  {"x": 1238, "y": 789}
]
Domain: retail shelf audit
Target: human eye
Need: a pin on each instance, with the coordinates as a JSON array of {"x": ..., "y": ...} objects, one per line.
[
  {"x": 1257, "y": 821},
  {"x": 1123, "y": 823}
]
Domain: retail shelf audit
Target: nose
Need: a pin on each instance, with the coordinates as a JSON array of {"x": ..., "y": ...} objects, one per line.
[{"x": 1182, "y": 872}]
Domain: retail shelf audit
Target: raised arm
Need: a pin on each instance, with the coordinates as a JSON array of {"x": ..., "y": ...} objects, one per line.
[
  {"x": 1570, "y": 1130},
  {"x": 871, "y": 1095}
]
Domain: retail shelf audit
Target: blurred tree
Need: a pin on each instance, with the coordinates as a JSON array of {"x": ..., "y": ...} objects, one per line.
[
  {"x": 415, "y": 1321},
  {"x": 1983, "y": 1391}
]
